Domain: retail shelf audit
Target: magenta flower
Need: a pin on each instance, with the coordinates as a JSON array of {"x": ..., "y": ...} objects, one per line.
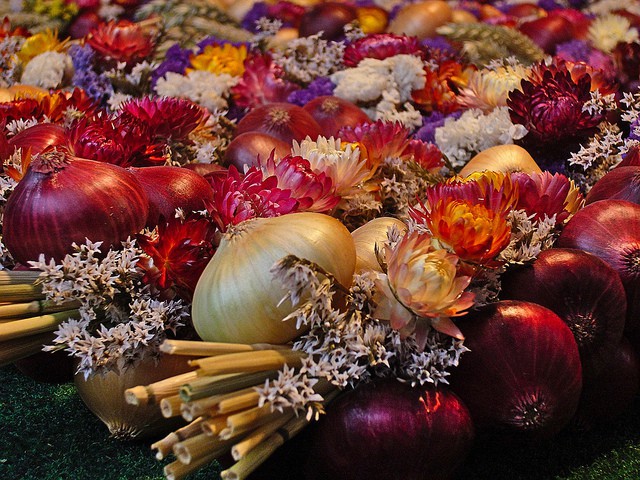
[{"x": 379, "y": 46}]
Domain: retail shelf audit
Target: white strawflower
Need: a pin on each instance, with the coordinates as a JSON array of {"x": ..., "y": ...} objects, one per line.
[
  {"x": 47, "y": 70},
  {"x": 200, "y": 86},
  {"x": 605, "y": 32}
]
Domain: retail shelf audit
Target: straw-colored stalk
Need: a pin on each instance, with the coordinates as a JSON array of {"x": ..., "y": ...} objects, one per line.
[
  {"x": 254, "y": 361},
  {"x": 255, "y": 438},
  {"x": 34, "y": 325},
  {"x": 177, "y": 470},
  {"x": 248, "y": 420},
  {"x": 198, "y": 446},
  {"x": 207, "y": 386},
  {"x": 209, "y": 349},
  {"x": 20, "y": 292},
  {"x": 170, "y": 406},
  {"x": 12, "y": 311},
  {"x": 14, "y": 350},
  {"x": 214, "y": 425},
  {"x": 16, "y": 277},
  {"x": 226, "y": 403},
  {"x": 164, "y": 446},
  {"x": 154, "y": 393}
]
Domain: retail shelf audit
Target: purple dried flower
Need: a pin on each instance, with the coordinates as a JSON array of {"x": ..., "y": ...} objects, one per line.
[{"x": 317, "y": 88}]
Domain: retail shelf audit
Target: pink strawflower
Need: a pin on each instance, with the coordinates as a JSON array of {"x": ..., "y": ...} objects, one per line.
[
  {"x": 425, "y": 154},
  {"x": 380, "y": 46},
  {"x": 377, "y": 141}
]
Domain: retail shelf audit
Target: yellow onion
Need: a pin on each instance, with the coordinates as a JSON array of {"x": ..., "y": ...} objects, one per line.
[
  {"x": 501, "y": 158},
  {"x": 104, "y": 396},
  {"x": 237, "y": 298},
  {"x": 463, "y": 16},
  {"x": 367, "y": 236},
  {"x": 421, "y": 19}
]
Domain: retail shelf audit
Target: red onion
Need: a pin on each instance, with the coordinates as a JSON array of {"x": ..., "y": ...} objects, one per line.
[
  {"x": 630, "y": 158},
  {"x": 169, "y": 188},
  {"x": 547, "y": 32},
  {"x": 332, "y": 113},
  {"x": 388, "y": 430},
  {"x": 610, "y": 229},
  {"x": 328, "y": 18},
  {"x": 64, "y": 199},
  {"x": 610, "y": 393},
  {"x": 584, "y": 291},
  {"x": 522, "y": 377},
  {"x": 204, "y": 168},
  {"x": 285, "y": 121},
  {"x": 39, "y": 137},
  {"x": 622, "y": 183},
  {"x": 245, "y": 149}
]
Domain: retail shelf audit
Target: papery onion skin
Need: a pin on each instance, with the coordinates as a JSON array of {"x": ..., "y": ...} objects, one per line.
[
  {"x": 333, "y": 113},
  {"x": 104, "y": 396},
  {"x": 327, "y": 18},
  {"x": 169, "y": 188},
  {"x": 522, "y": 377},
  {"x": 284, "y": 121},
  {"x": 421, "y": 19},
  {"x": 547, "y": 32},
  {"x": 501, "y": 158},
  {"x": 610, "y": 229},
  {"x": 205, "y": 168},
  {"x": 47, "y": 212},
  {"x": 367, "y": 236},
  {"x": 388, "y": 430},
  {"x": 244, "y": 150},
  {"x": 237, "y": 298},
  {"x": 584, "y": 291},
  {"x": 622, "y": 183},
  {"x": 610, "y": 393},
  {"x": 39, "y": 137}
]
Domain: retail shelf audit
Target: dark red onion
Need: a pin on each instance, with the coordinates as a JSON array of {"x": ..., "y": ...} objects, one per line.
[
  {"x": 204, "y": 168},
  {"x": 522, "y": 377},
  {"x": 547, "y": 32},
  {"x": 285, "y": 121},
  {"x": 328, "y": 18},
  {"x": 245, "y": 149},
  {"x": 169, "y": 188},
  {"x": 622, "y": 183},
  {"x": 83, "y": 24},
  {"x": 389, "y": 430},
  {"x": 584, "y": 291},
  {"x": 610, "y": 229},
  {"x": 64, "y": 199},
  {"x": 332, "y": 113},
  {"x": 630, "y": 158},
  {"x": 610, "y": 393},
  {"x": 39, "y": 137}
]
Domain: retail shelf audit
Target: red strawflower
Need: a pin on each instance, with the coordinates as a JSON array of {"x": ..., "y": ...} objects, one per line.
[
  {"x": 599, "y": 80},
  {"x": 313, "y": 191},
  {"x": 51, "y": 107},
  {"x": 121, "y": 141},
  {"x": 425, "y": 154},
  {"x": 377, "y": 141},
  {"x": 237, "y": 198},
  {"x": 178, "y": 254},
  {"x": 121, "y": 41},
  {"x": 169, "y": 118},
  {"x": 262, "y": 82},
  {"x": 550, "y": 106},
  {"x": 379, "y": 46},
  {"x": 442, "y": 87},
  {"x": 6, "y": 30},
  {"x": 541, "y": 194},
  {"x": 288, "y": 12}
]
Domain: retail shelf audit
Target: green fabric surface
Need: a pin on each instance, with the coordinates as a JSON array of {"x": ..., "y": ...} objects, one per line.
[{"x": 47, "y": 433}]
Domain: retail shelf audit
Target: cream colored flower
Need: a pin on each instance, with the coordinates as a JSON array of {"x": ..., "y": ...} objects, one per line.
[
  {"x": 606, "y": 31},
  {"x": 489, "y": 88},
  {"x": 341, "y": 162},
  {"x": 421, "y": 284}
]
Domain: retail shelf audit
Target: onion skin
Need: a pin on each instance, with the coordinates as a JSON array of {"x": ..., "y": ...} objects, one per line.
[
  {"x": 104, "y": 396},
  {"x": 333, "y": 113},
  {"x": 611, "y": 393},
  {"x": 421, "y": 19},
  {"x": 584, "y": 291},
  {"x": 169, "y": 188},
  {"x": 39, "y": 137},
  {"x": 237, "y": 299},
  {"x": 244, "y": 150},
  {"x": 389, "y": 430},
  {"x": 501, "y": 158},
  {"x": 522, "y": 378},
  {"x": 328, "y": 18},
  {"x": 284, "y": 121},
  {"x": 50, "y": 209},
  {"x": 367, "y": 236},
  {"x": 205, "y": 168},
  {"x": 610, "y": 229},
  {"x": 547, "y": 32},
  {"x": 622, "y": 183}
]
